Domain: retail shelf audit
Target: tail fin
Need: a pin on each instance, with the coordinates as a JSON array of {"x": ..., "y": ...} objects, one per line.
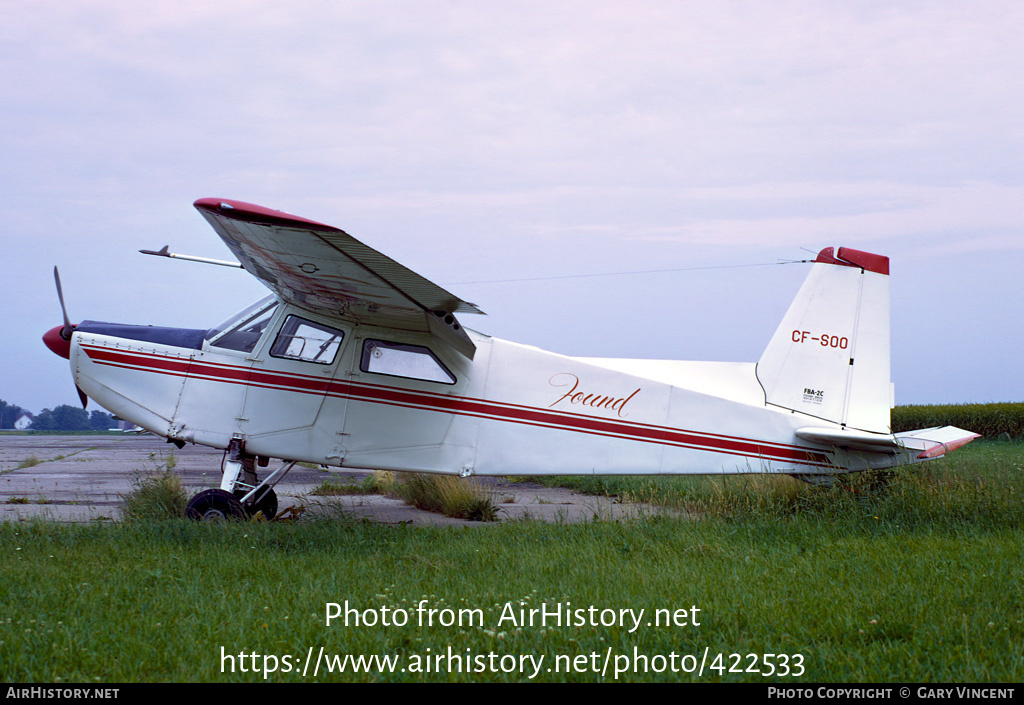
[{"x": 830, "y": 356}]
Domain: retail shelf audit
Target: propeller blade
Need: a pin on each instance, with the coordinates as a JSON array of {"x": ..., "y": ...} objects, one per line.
[
  {"x": 65, "y": 332},
  {"x": 59, "y": 341}
]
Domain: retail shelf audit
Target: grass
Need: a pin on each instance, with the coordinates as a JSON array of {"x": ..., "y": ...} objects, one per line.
[
  {"x": 378, "y": 482},
  {"x": 914, "y": 581},
  {"x": 445, "y": 494},
  {"x": 450, "y": 495},
  {"x": 155, "y": 496},
  {"x": 982, "y": 482},
  {"x": 335, "y": 487},
  {"x": 33, "y": 460}
]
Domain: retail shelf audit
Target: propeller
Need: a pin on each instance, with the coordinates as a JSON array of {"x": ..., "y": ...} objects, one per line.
[
  {"x": 58, "y": 338},
  {"x": 65, "y": 332}
]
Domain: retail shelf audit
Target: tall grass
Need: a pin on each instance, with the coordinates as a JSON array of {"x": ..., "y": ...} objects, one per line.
[
  {"x": 450, "y": 495},
  {"x": 980, "y": 484},
  {"x": 155, "y": 496}
]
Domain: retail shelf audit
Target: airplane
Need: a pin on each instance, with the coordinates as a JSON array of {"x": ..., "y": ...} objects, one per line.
[{"x": 356, "y": 361}]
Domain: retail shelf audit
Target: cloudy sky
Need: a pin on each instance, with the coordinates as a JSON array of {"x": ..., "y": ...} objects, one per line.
[{"x": 481, "y": 142}]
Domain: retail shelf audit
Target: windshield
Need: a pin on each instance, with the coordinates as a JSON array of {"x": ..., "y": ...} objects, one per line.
[
  {"x": 241, "y": 331},
  {"x": 242, "y": 315}
]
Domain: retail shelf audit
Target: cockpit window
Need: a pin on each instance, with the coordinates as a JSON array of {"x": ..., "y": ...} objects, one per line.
[
  {"x": 243, "y": 330},
  {"x": 300, "y": 339}
]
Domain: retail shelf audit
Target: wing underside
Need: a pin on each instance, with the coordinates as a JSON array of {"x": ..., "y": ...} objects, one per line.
[{"x": 327, "y": 271}]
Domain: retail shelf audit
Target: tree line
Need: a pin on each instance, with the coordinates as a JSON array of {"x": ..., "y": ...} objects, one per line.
[{"x": 60, "y": 418}]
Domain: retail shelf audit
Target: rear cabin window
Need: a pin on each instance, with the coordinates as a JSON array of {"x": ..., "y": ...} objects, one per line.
[
  {"x": 400, "y": 360},
  {"x": 300, "y": 339}
]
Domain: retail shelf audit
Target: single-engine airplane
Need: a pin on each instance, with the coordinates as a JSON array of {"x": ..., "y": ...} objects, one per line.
[{"x": 356, "y": 361}]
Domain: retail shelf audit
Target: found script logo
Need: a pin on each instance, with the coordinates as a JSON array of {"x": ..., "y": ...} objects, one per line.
[{"x": 584, "y": 398}]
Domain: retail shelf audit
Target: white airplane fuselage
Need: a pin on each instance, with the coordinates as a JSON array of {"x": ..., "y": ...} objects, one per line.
[{"x": 511, "y": 410}]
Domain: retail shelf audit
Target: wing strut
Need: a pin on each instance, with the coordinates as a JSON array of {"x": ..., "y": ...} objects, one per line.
[{"x": 165, "y": 252}]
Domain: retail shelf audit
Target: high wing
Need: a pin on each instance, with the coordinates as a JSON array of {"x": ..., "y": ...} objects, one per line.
[{"x": 327, "y": 271}]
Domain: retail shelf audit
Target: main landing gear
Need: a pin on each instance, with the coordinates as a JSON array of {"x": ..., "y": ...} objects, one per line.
[
  {"x": 241, "y": 494},
  {"x": 214, "y": 505}
]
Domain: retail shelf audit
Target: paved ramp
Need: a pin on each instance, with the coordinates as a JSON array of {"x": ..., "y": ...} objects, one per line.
[{"x": 82, "y": 479}]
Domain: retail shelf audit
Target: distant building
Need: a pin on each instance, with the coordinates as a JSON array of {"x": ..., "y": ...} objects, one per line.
[
  {"x": 23, "y": 421},
  {"x": 122, "y": 425}
]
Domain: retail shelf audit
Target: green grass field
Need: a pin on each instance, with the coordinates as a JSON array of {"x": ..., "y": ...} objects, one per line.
[{"x": 919, "y": 579}]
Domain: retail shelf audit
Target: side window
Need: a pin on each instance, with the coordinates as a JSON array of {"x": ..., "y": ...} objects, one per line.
[
  {"x": 300, "y": 339},
  {"x": 399, "y": 360},
  {"x": 245, "y": 336}
]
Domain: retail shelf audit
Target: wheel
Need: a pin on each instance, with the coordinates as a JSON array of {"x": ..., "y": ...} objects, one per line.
[
  {"x": 214, "y": 505},
  {"x": 267, "y": 503}
]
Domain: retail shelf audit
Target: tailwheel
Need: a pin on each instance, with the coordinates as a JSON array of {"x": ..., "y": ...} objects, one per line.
[
  {"x": 267, "y": 503},
  {"x": 214, "y": 505}
]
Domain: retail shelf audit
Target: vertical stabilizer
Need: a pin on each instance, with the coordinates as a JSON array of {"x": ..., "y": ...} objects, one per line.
[{"x": 830, "y": 356}]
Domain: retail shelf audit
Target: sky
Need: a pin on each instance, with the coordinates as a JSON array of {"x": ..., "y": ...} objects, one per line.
[{"x": 482, "y": 142}]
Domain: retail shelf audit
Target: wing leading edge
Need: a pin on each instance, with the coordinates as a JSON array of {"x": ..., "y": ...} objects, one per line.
[{"x": 325, "y": 270}]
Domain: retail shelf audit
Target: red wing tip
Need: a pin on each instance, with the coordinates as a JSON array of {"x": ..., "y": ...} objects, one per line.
[
  {"x": 848, "y": 257},
  {"x": 240, "y": 210}
]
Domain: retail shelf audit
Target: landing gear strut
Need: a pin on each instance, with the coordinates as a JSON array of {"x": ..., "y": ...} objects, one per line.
[{"x": 241, "y": 493}]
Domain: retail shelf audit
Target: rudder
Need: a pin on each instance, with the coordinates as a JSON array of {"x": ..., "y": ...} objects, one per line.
[{"x": 829, "y": 358}]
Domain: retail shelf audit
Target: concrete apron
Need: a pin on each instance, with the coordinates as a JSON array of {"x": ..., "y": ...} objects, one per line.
[{"x": 82, "y": 479}]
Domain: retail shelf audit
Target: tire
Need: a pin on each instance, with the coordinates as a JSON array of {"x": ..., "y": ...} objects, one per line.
[
  {"x": 267, "y": 504},
  {"x": 214, "y": 505}
]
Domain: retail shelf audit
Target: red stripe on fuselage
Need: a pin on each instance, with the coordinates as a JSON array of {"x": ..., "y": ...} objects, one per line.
[{"x": 444, "y": 403}]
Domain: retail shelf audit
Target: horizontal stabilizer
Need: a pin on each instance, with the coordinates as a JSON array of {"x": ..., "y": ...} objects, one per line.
[
  {"x": 935, "y": 442},
  {"x": 928, "y": 443}
]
